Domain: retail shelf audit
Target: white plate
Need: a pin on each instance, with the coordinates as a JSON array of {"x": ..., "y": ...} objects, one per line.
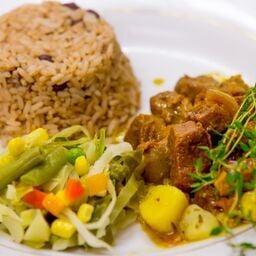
[{"x": 168, "y": 39}]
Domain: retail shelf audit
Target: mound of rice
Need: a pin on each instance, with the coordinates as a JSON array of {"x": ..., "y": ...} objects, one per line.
[{"x": 61, "y": 65}]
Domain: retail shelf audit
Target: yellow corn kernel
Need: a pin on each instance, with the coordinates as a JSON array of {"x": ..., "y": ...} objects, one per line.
[
  {"x": 62, "y": 228},
  {"x": 82, "y": 165},
  {"x": 16, "y": 146},
  {"x": 62, "y": 196},
  {"x": 5, "y": 159},
  {"x": 37, "y": 137},
  {"x": 85, "y": 212}
]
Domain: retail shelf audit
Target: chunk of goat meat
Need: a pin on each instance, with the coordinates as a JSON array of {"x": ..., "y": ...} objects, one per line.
[
  {"x": 156, "y": 162},
  {"x": 145, "y": 128},
  {"x": 234, "y": 86},
  {"x": 206, "y": 198},
  {"x": 184, "y": 141},
  {"x": 190, "y": 87},
  {"x": 209, "y": 199},
  {"x": 170, "y": 106},
  {"x": 213, "y": 117}
]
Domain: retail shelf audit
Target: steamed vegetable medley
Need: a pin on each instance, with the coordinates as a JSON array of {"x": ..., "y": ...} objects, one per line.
[{"x": 68, "y": 190}]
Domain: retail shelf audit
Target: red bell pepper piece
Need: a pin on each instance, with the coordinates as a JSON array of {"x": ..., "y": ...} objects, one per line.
[
  {"x": 74, "y": 190},
  {"x": 35, "y": 198}
]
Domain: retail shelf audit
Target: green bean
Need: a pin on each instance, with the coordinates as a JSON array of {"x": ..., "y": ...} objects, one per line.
[
  {"x": 55, "y": 160},
  {"x": 47, "y": 149},
  {"x": 24, "y": 163}
]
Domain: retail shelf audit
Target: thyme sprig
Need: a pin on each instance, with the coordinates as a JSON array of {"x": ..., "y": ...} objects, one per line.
[{"x": 231, "y": 141}]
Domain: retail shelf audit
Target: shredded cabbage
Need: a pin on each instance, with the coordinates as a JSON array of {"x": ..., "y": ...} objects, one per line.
[
  {"x": 90, "y": 149},
  {"x": 38, "y": 230},
  {"x": 7, "y": 211},
  {"x": 74, "y": 175},
  {"x": 35, "y": 245},
  {"x": 12, "y": 222},
  {"x": 22, "y": 190},
  {"x": 127, "y": 192},
  {"x": 69, "y": 143},
  {"x": 124, "y": 219},
  {"x": 14, "y": 227},
  {"x": 80, "y": 240},
  {"x": 11, "y": 192},
  {"x": 62, "y": 244},
  {"x": 100, "y": 143},
  {"x": 3, "y": 233},
  {"x": 15, "y": 193},
  {"x": 111, "y": 151},
  {"x": 104, "y": 220},
  {"x": 89, "y": 238},
  {"x": 95, "y": 148},
  {"x": 68, "y": 132}
]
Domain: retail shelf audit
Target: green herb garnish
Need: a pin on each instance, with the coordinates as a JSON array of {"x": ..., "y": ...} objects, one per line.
[{"x": 231, "y": 141}]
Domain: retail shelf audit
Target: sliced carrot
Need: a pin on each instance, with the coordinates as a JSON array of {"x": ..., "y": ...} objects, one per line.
[
  {"x": 74, "y": 190},
  {"x": 53, "y": 204},
  {"x": 95, "y": 184}
]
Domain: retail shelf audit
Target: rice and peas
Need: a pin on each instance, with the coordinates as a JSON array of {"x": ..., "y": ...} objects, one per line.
[{"x": 61, "y": 65}]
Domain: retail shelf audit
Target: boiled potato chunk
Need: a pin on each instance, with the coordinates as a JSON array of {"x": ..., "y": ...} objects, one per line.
[
  {"x": 248, "y": 205},
  {"x": 162, "y": 207},
  {"x": 39, "y": 230},
  {"x": 197, "y": 223}
]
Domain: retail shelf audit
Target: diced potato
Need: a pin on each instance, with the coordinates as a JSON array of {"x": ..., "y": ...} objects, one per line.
[
  {"x": 248, "y": 205},
  {"x": 38, "y": 231},
  {"x": 162, "y": 207},
  {"x": 27, "y": 217},
  {"x": 197, "y": 223},
  {"x": 14, "y": 227}
]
